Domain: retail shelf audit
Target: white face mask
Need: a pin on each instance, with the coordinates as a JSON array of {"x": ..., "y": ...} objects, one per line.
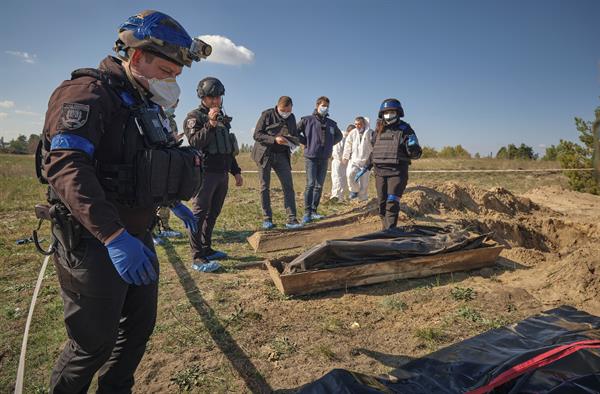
[
  {"x": 285, "y": 115},
  {"x": 165, "y": 92},
  {"x": 323, "y": 110},
  {"x": 389, "y": 117}
]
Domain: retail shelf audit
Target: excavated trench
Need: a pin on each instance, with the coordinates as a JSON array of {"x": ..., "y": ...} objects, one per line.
[{"x": 514, "y": 221}]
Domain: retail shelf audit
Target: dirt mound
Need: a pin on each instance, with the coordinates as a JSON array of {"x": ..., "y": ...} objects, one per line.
[
  {"x": 575, "y": 276},
  {"x": 452, "y": 196},
  {"x": 548, "y": 219},
  {"x": 574, "y": 204}
]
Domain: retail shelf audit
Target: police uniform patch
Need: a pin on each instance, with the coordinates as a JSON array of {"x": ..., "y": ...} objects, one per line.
[
  {"x": 74, "y": 115},
  {"x": 191, "y": 123}
]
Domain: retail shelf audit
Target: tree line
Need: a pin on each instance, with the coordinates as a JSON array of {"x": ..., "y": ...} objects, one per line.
[
  {"x": 569, "y": 154},
  {"x": 20, "y": 145}
]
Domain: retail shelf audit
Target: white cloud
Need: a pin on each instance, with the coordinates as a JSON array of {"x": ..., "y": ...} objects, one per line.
[
  {"x": 542, "y": 146},
  {"x": 7, "y": 104},
  {"x": 226, "y": 51},
  {"x": 25, "y": 56},
  {"x": 28, "y": 113},
  {"x": 3, "y": 115}
]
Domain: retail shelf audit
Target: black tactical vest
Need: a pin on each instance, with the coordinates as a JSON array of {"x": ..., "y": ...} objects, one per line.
[
  {"x": 154, "y": 169},
  {"x": 225, "y": 142},
  {"x": 389, "y": 147}
]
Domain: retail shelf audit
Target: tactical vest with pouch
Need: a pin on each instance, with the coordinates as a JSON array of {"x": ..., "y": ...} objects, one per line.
[
  {"x": 154, "y": 169},
  {"x": 224, "y": 143},
  {"x": 389, "y": 147}
]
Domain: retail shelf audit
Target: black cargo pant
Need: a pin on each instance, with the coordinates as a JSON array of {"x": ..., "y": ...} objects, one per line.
[
  {"x": 389, "y": 191},
  {"x": 207, "y": 205},
  {"x": 280, "y": 163},
  {"x": 108, "y": 322}
]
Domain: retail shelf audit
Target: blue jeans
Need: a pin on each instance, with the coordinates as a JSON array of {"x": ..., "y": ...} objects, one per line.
[{"x": 316, "y": 171}]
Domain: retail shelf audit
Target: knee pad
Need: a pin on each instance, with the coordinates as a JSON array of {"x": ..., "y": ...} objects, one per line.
[{"x": 393, "y": 198}]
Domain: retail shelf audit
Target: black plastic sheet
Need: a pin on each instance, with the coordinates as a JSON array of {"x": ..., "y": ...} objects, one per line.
[
  {"x": 473, "y": 363},
  {"x": 392, "y": 244}
]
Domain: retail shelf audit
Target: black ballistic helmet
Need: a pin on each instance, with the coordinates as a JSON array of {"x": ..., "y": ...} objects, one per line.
[{"x": 210, "y": 86}]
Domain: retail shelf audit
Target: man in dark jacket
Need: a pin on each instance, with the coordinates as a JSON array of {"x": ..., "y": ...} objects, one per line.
[
  {"x": 207, "y": 129},
  {"x": 275, "y": 135},
  {"x": 103, "y": 212},
  {"x": 318, "y": 134}
]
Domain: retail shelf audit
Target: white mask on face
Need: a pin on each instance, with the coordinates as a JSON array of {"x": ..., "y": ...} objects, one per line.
[
  {"x": 389, "y": 117},
  {"x": 165, "y": 92},
  {"x": 323, "y": 110},
  {"x": 285, "y": 115}
]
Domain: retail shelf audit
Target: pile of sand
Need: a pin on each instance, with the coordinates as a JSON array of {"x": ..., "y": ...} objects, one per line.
[
  {"x": 552, "y": 235},
  {"x": 452, "y": 196}
]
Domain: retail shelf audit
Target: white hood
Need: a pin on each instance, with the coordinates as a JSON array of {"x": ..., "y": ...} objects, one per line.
[{"x": 358, "y": 147}]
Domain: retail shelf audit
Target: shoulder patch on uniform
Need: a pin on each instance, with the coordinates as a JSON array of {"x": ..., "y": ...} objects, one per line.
[
  {"x": 190, "y": 123},
  {"x": 74, "y": 116}
]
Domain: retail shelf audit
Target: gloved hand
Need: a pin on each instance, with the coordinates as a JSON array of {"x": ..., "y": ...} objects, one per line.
[
  {"x": 412, "y": 147},
  {"x": 360, "y": 173},
  {"x": 186, "y": 216},
  {"x": 132, "y": 259},
  {"x": 412, "y": 140}
]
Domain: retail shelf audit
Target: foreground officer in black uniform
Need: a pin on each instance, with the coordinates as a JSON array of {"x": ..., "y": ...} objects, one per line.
[
  {"x": 394, "y": 146},
  {"x": 207, "y": 128},
  {"x": 110, "y": 160}
]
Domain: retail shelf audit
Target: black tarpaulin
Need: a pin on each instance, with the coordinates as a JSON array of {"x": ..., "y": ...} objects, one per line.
[
  {"x": 471, "y": 365},
  {"x": 392, "y": 244}
]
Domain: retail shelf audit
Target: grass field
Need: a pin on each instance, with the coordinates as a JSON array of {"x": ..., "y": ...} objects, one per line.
[{"x": 205, "y": 339}]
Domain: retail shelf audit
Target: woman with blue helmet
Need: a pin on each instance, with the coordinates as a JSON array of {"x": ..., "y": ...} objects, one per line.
[{"x": 395, "y": 144}]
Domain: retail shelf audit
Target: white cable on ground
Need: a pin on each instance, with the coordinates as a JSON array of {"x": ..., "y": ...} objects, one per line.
[
  {"x": 462, "y": 171},
  {"x": 21, "y": 367}
]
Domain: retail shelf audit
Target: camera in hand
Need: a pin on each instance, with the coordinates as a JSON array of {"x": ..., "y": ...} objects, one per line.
[{"x": 224, "y": 118}]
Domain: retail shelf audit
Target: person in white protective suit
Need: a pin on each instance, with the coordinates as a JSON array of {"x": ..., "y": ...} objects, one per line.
[
  {"x": 339, "y": 184},
  {"x": 357, "y": 150}
]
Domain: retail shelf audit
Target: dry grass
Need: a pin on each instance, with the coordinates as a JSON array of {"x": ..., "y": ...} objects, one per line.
[{"x": 233, "y": 332}]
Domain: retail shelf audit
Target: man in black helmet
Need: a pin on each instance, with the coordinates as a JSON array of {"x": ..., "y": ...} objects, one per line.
[
  {"x": 109, "y": 158},
  {"x": 207, "y": 128}
]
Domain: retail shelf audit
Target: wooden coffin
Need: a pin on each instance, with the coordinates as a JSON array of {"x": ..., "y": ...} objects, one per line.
[{"x": 310, "y": 282}]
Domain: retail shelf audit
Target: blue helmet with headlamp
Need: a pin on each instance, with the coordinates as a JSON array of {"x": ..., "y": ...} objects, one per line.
[{"x": 158, "y": 33}]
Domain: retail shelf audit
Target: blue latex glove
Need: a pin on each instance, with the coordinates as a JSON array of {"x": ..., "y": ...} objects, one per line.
[
  {"x": 132, "y": 259},
  {"x": 360, "y": 173},
  {"x": 186, "y": 216},
  {"x": 412, "y": 140}
]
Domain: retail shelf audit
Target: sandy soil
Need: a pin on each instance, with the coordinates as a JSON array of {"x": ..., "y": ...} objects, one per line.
[{"x": 233, "y": 332}]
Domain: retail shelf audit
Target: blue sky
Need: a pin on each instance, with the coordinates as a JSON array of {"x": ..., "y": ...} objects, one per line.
[{"x": 478, "y": 73}]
